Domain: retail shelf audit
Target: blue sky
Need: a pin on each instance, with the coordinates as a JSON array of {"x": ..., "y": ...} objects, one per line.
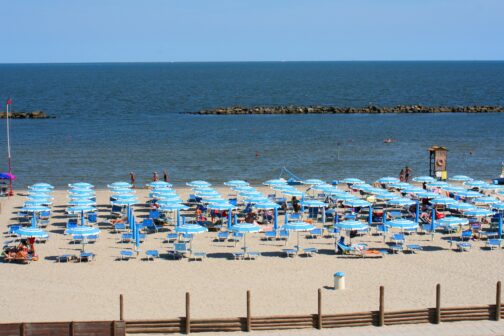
[{"x": 249, "y": 30}]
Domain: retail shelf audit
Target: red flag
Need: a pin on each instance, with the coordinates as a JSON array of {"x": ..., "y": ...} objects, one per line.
[{"x": 9, "y": 101}]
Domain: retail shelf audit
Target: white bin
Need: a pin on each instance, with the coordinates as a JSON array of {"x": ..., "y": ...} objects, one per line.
[{"x": 339, "y": 280}]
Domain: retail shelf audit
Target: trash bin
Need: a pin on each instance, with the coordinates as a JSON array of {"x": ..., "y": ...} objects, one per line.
[{"x": 339, "y": 280}]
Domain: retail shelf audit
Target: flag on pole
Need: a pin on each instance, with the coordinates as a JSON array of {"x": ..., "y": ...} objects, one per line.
[{"x": 9, "y": 101}]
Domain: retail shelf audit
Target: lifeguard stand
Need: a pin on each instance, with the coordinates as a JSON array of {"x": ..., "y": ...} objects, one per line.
[{"x": 437, "y": 162}]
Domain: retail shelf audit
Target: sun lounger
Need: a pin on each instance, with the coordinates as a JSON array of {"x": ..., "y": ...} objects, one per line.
[
  {"x": 309, "y": 251},
  {"x": 119, "y": 227},
  {"x": 315, "y": 233},
  {"x": 414, "y": 247},
  {"x": 179, "y": 250},
  {"x": 238, "y": 255},
  {"x": 396, "y": 248},
  {"x": 489, "y": 234},
  {"x": 86, "y": 256},
  {"x": 252, "y": 255},
  {"x": 269, "y": 235},
  {"x": 290, "y": 252},
  {"x": 493, "y": 243},
  {"x": 151, "y": 254},
  {"x": 66, "y": 258},
  {"x": 283, "y": 235},
  {"x": 464, "y": 246},
  {"x": 398, "y": 238},
  {"x": 77, "y": 239},
  {"x": 125, "y": 254},
  {"x": 171, "y": 237},
  {"x": 466, "y": 235},
  {"x": 197, "y": 256},
  {"x": 126, "y": 238}
]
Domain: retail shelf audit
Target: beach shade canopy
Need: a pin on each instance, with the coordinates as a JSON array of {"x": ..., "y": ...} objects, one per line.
[
  {"x": 275, "y": 182},
  {"x": 461, "y": 206},
  {"x": 123, "y": 192},
  {"x": 169, "y": 198},
  {"x": 352, "y": 180},
  {"x": 403, "y": 224},
  {"x": 198, "y": 183},
  {"x": 124, "y": 202},
  {"x": 460, "y": 178},
  {"x": 174, "y": 207},
  {"x": 37, "y": 202},
  {"x": 298, "y": 226},
  {"x": 453, "y": 189},
  {"x": 442, "y": 201},
  {"x": 452, "y": 221},
  {"x": 475, "y": 183},
  {"x": 80, "y": 198},
  {"x": 83, "y": 230},
  {"x": 43, "y": 185},
  {"x": 322, "y": 187},
  {"x": 88, "y": 192},
  {"x": 422, "y": 179},
  {"x": 236, "y": 183},
  {"x": 438, "y": 184},
  {"x": 426, "y": 194},
  {"x": 485, "y": 200},
  {"x": 80, "y": 209},
  {"x": 245, "y": 228},
  {"x": 293, "y": 192},
  {"x": 81, "y": 202},
  {"x": 164, "y": 202},
  {"x": 478, "y": 213},
  {"x": 350, "y": 225},
  {"x": 120, "y": 185},
  {"x": 244, "y": 188},
  {"x": 313, "y": 204},
  {"x": 40, "y": 189},
  {"x": 224, "y": 206},
  {"x": 498, "y": 206},
  {"x": 44, "y": 197},
  {"x": 190, "y": 229},
  {"x": 469, "y": 194},
  {"x": 412, "y": 190},
  {"x": 388, "y": 180},
  {"x": 282, "y": 187},
  {"x": 214, "y": 200},
  {"x": 401, "y": 202},
  {"x": 208, "y": 193},
  {"x": 266, "y": 206},
  {"x": 81, "y": 185},
  {"x": 34, "y": 208},
  {"x": 31, "y": 232},
  {"x": 399, "y": 185},
  {"x": 7, "y": 176},
  {"x": 356, "y": 203},
  {"x": 344, "y": 196},
  {"x": 313, "y": 182},
  {"x": 257, "y": 199},
  {"x": 125, "y": 198},
  {"x": 250, "y": 193},
  {"x": 159, "y": 184},
  {"x": 386, "y": 195},
  {"x": 491, "y": 187}
]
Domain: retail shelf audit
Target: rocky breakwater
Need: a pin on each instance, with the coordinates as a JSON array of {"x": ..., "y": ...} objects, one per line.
[
  {"x": 26, "y": 115},
  {"x": 236, "y": 110}
]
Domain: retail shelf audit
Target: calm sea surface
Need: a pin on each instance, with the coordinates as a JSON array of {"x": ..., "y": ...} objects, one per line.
[{"x": 115, "y": 118}]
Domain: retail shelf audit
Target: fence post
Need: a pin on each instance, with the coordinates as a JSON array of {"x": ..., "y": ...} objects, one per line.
[
  {"x": 121, "y": 307},
  {"x": 498, "y": 302},
  {"x": 437, "y": 316},
  {"x": 319, "y": 309},
  {"x": 249, "y": 314},
  {"x": 72, "y": 329},
  {"x": 188, "y": 313},
  {"x": 381, "y": 313}
]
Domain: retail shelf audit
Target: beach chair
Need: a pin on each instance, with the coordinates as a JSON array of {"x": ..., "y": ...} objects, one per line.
[
  {"x": 92, "y": 239},
  {"x": 171, "y": 237},
  {"x": 13, "y": 230},
  {"x": 125, "y": 255},
  {"x": 237, "y": 237},
  {"x": 315, "y": 233},
  {"x": 290, "y": 252},
  {"x": 310, "y": 251},
  {"x": 396, "y": 248},
  {"x": 489, "y": 234},
  {"x": 238, "y": 255},
  {"x": 493, "y": 243},
  {"x": 413, "y": 248},
  {"x": 222, "y": 236},
  {"x": 398, "y": 238},
  {"x": 344, "y": 249},
  {"x": 126, "y": 238},
  {"x": 270, "y": 235},
  {"x": 464, "y": 246},
  {"x": 71, "y": 225},
  {"x": 252, "y": 255},
  {"x": 87, "y": 256},
  {"x": 283, "y": 235},
  {"x": 92, "y": 217},
  {"x": 154, "y": 214},
  {"x": 77, "y": 239},
  {"x": 466, "y": 235},
  {"x": 66, "y": 258},
  {"x": 150, "y": 225},
  {"x": 119, "y": 227},
  {"x": 197, "y": 256},
  {"x": 151, "y": 255},
  {"x": 179, "y": 250}
]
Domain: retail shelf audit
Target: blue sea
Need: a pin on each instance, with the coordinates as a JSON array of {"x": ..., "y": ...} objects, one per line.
[{"x": 112, "y": 119}]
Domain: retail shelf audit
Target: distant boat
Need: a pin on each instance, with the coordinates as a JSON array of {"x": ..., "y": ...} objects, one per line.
[{"x": 388, "y": 140}]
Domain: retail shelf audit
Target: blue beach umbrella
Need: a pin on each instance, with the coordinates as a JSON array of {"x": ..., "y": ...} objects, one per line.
[
  {"x": 124, "y": 202},
  {"x": 491, "y": 187},
  {"x": 266, "y": 206},
  {"x": 80, "y": 209},
  {"x": 159, "y": 184},
  {"x": 422, "y": 179},
  {"x": 37, "y": 202},
  {"x": 475, "y": 183},
  {"x": 322, "y": 187},
  {"x": 426, "y": 195},
  {"x": 236, "y": 183},
  {"x": 164, "y": 202},
  {"x": 120, "y": 185},
  {"x": 313, "y": 204},
  {"x": 412, "y": 190},
  {"x": 198, "y": 183},
  {"x": 460, "y": 178},
  {"x": 401, "y": 202},
  {"x": 403, "y": 224},
  {"x": 209, "y": 193},
  {"x": 275, "y": 182},
  {"x": 313, "y": 181},
  {"x": 478, "y": 213},
  {"x": 250, "y": 193},
  {"x": 469, "y": 194},
  {"x": 169, "y": 198},
  {"x": 245, "y": 228},
  {"x": 442, "y": 201},
  {"x": 122, "y": 191},
  {"x": 350, "y": 225},
  {"x": 81, "y": 198},
  {"x": 256, "y": 199},
  {"x": 42, "y": 185},
  {"x": 190, "y": 229},
  {"x": 34, "y": 208},
  {"x": 84, "y": 231},
  {"x": 386, "y": 196},
  {"x": 461, "y": 206},
  {"x": 388, "y": 180},
  {"x": 498, "y": 206},
  {"x": 344, "y": 197},
  {"x": 451, "y": 221},
  {"x": 244, "y": 188},
  {"x": 453, "y": 189},
  {"x": 352, "y": 180},
  {"x": 221, "y": 206},
  {"x": 438, "y": 184},
  {"x": 174, "y": 207},
  {"x": 81, "y": 202},
  {"x": 298, "y": 227},
  {"x": 40, "y": 197},
  {"x": 88, "y": 192},
  {"x": 40, "y": 189},
  {"x": 357, "y": 203},
  {"x": 485, "y": 200},
  {"x": 214, "y": 200},
  {"x": 293, "y": 192},
  {"x": 400, "y": 185},
  {"x": 81, "y": 185},
  {"x": 31, "y": 232}
]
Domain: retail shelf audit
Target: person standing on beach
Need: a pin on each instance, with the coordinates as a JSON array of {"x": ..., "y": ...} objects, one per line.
[
  {"x": 401, "y": 175},
  {"x": 132, "y": 179},
  {"x": 165, "y": 176},
  {"x": 155, "y": 176},
  {"x": 407, "y": 173}
]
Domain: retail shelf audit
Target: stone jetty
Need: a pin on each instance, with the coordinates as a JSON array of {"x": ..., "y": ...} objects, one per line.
[
  {"x": 318, "y": 109},
  {"x": 26, "y": 115}
]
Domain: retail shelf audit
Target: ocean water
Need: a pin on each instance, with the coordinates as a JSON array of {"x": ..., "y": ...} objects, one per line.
[{"x": 112, "y": 119}]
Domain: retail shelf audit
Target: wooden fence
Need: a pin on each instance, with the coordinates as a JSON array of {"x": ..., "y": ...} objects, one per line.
[{"x": 187, "y": 324}]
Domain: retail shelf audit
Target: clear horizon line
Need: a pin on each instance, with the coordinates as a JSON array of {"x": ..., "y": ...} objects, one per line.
[{"x": 254, "y": 61}]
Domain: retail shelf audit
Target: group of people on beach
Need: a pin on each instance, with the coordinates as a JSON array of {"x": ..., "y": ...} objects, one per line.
[
  {"x": 155, "y": 177},
  {"x": 405, "y": 174}
]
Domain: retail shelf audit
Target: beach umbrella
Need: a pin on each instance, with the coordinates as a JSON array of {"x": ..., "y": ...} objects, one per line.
[
  {"x": 41, "y": 196},
  {"x": 388, "y": 179},
  {"x": 422, "y": 179},
  {"x": 412, "y": 190},
  {"x": 451, "y": 221},
  {"x": 401, "y": 202},
  {"x": 357, "y": 203},
  {"x": 461, "y": 206},
  {"x": 498, "y": 206},
  {"x": 7, "y": 176},
  {"x": 87, "y": 192},
  {"x": 401, "y": 223},
  {"x": 42, "y": 185},
  {"x": 174, "y": 207},
  {"x": 209, "y": 193},
  {"x": 351, "y": 225},
  {"x": 460, "y": 178},
  {"x": 282, "y": 187},
  {"x": 442, "y": 201},
  {"x": 344, "y": 197},
  {"x": 352, "y": 180},
  {"x": 245, "y": 228},
  {"x": 31, "y": 232},
  {"x": 236, "y": 183},
  {"x": 221, "y": 206},
  {"x": 491, "y": 187},
  {"x": 198, "y": 183},
  {"x": 313, "y": 182},
  {"x": 81, "y": 197},
  {"x": 37, "y": 202},
  {"x": 190, "y": 229},
  {"x": 426, "y": 194},
  {"x": 485, "y": 200},
  {"x": 124, "y": 202},
  {"x": 275, "y": 182},
  {"x": 170, "y": 198},
  {"x": 122, "y": 191},
  {"x": 244, "y": 188},
  {"x": 41, "y": 193},
  {"x": 81, "y": 185},
  {"x": 215, "y": 199},
  {"x": 81, "y": 202},
  {"x": 469, "y": 194},
  {"x": 478, "y": 213},
  {"x": 40, "y": 189},
  {"x": 475, "y": 183},
  {"x": 266, "y": 206},
  {"x": 120, "y": 185},
  {"x": 438, "y": 184},
  {"x": 293, "y": 192},
  {"x": 80, "y": 209},
  {"x": 298, "y": 227},
  {"x": 399, "y": 185},
  {"x": 34, "y": 208},
  {"x": 84, "y": 231},
  {"x": 386, "y": 196},
  {"x": 164, "y": 202},
  {"x": 322, "y": 187},
  {"x": 313, "y": 204},
  {"x": 453, "y": 189},
  {"x": 250, "y": 193},
  {"x": 159, "y": 184}
]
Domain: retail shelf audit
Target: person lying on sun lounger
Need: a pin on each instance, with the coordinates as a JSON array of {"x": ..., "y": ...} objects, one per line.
[{"x": 20, "y": 252}]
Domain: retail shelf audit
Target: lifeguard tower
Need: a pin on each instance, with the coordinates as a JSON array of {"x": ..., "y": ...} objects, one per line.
[{"x": 437, "y": 162}]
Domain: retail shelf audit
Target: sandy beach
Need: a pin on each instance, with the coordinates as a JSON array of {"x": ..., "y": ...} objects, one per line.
[{"x": 48, "y": 291}]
